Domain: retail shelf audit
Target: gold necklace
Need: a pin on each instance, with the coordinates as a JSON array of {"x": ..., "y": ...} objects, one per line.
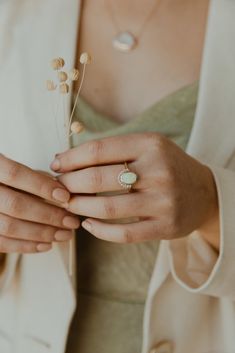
[{"x": 125, "y": 41}]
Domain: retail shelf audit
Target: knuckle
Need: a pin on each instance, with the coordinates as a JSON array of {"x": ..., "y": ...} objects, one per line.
[
  {"x": 156, "y": 140},
  {"x": 54, "y": 217},
  {"x": 7, "y": 227},
  {"x": 47, "y": 234},
  {"x": 45, "y": 189},
  {"x": 14, "y": 205},
  {"x": 109, "y": 208},
  {"x": 165, "y": 178},
  {"x": 95, "y": 149},
  {"x": 12, "y": 171},
  {"x": 127, "y": 236},
  {"x": 96, "y": 179},
  {"x": 50, "y": 217}
]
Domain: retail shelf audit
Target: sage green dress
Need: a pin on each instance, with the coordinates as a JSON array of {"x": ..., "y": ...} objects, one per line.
[{"x": 113, "y": 279}]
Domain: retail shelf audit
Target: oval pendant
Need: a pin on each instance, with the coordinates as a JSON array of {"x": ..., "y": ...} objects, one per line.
[{"x": 124, "y": 41}]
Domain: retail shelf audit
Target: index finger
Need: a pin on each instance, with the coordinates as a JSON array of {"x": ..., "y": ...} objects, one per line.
[
  {"x": 23, "y": 178},
  {"x": 109, "y": 150}
]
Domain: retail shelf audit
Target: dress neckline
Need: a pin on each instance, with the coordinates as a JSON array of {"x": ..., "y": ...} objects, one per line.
[{"x": 162, "y": 101}]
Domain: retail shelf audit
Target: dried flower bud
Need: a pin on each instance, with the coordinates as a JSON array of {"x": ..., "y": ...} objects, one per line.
[
  {"x": 74, "y": 75},
  {"x": 62, "y": 76},
  {"x": 77, "y": 127},
  {"x": 50, "y": 85},
  {"x": 64, "y": 88},
  {"x": 57, "y": 63},
  {"x": 85, "y": 58}
]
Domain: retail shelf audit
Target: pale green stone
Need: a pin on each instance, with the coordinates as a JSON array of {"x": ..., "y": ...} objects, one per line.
[{"x": 128, "y": 178}]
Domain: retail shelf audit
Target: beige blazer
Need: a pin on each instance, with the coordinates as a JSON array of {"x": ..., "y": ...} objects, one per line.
[{"x": 190, "y": 305}]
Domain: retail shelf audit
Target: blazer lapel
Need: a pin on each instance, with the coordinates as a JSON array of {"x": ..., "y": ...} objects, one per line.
[
  {"x": 214, "y": 127},
  {"x": 55, "y": 33}
]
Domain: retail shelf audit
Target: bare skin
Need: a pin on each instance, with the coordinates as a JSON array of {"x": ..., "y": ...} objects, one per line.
[
  {"x": 168, "y": 56},
  {"x": 170, "y": 199},
  {"x": 121, "y": 85},
  {"x": 32, "y": 216}
]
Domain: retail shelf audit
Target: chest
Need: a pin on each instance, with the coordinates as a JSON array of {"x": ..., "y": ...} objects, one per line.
[{"x": 166, "y": 57}]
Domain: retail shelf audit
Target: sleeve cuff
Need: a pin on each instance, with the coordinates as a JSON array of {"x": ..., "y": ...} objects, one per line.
[
  {"x": 193, "y": 262},
  {"x": 195, "y": 265}
]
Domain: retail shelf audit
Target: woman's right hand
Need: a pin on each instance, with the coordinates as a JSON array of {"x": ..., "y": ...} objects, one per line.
[{"x": 29, "y": 222}]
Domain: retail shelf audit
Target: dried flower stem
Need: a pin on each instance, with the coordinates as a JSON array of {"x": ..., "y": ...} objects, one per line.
[
  {"x": 57, "y": 64},
  {"x": 71, "y": 247},
  {"x": 65, "y": 115},
  {"x": 71, "y": 256},
  {"x": 56, "y": 120},
  {"x": 76, "y": 99},
  {"x": 55, "y": 110}
]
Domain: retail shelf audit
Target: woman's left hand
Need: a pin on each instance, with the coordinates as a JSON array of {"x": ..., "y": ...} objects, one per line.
[{"x": 173, "y": 196}]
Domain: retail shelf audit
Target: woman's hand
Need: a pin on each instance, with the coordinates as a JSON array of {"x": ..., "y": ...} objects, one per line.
[
  {"x": 28, "y": 221},
  {"x": 173, "y": 196}
]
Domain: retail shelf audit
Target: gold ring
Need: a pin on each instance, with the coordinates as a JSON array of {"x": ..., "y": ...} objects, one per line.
[{"x": 127, "y": 178}]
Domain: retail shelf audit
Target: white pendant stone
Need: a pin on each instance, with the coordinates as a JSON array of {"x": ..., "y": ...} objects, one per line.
[
  {"x": 124, "y": 41},
  {"x": 128, "y": 178}
]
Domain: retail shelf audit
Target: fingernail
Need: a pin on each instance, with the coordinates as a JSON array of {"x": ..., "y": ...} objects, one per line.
[
  {"x": 63, "y": 235},
  {"x": 44, "y": 247},
  {"x": 71, "y": 222},
  {"x": 87, "y": 225},
  {"x": 61, "y": 195},
  {"x": 55, "y": 165}
]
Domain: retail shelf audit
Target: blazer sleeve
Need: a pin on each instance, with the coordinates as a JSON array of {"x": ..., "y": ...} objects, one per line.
[{"x": 195, "y": 265}]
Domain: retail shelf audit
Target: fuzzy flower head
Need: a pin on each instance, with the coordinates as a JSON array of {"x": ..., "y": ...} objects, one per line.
[
  {"x": 85, "y": 58},
  {"x": 57, "y": 63}
]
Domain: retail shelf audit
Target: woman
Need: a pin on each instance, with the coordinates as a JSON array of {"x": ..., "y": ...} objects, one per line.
[{"x": 185, "y": 202}]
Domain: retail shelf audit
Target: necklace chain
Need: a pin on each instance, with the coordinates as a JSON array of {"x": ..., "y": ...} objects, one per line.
[{"x": 109, "y": 6}]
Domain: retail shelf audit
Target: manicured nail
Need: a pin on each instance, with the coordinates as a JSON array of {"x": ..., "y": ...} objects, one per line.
[
  {"x": 61, "y": 195},
  {"x": 55, "y": 165},
  {"x": 87, "y": 225},
  {"x": 63, "y": 235},
  {"x": 43, "y": 247},
  {"x": 71, "y": 222}
]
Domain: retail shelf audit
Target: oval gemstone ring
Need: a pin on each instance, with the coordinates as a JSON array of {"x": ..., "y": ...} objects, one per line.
[{"x": 127, "y": 178}]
